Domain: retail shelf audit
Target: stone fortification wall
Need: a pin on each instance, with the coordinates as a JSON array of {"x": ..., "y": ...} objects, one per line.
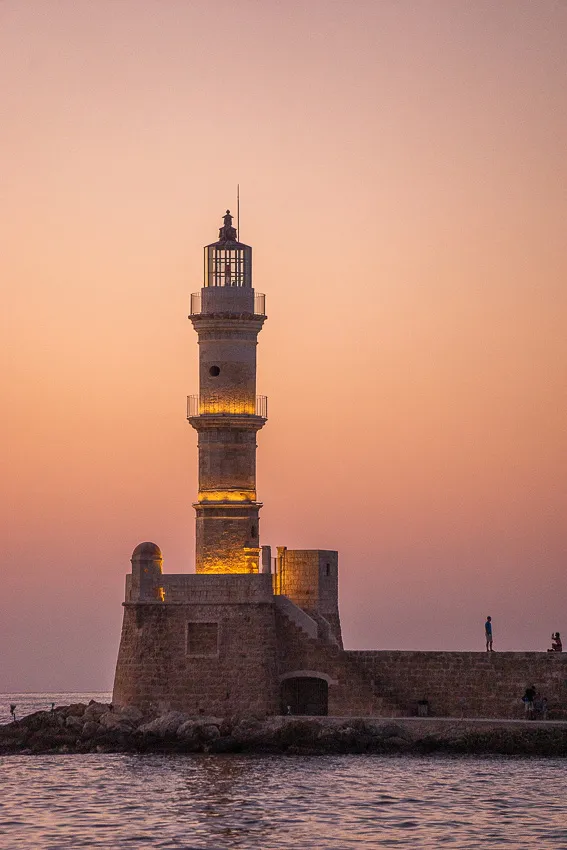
[
  {"x": 199, "y": 659},
  {"x": 455, "y": 684},
  {"x": 189, "y": 587},
  {"x": 466, "y": 684},
  {"x": 350, "y": 689},
  {"x": 217, "y": 588},
  {"x": 220, "y": 644},
  {"x": 210, "y": 649}
]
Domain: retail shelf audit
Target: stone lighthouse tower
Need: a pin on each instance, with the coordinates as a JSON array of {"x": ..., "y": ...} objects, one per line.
[
  {"x": 227, "y": 414},
  {"x": 233, "y": 639}
]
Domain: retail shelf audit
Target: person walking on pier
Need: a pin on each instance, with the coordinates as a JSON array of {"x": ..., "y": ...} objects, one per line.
[{"x": 488, "y": 634}]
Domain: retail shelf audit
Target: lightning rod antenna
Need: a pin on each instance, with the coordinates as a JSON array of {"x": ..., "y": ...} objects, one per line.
[{"x": 238, "y": 210}]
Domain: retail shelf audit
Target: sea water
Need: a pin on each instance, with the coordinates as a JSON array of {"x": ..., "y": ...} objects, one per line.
[{"x": 57, "y": 802}]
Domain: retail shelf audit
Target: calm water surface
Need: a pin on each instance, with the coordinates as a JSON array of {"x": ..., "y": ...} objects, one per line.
[
  {"x": 269, "y": 802},
  {"x": 264, "y": 803}
]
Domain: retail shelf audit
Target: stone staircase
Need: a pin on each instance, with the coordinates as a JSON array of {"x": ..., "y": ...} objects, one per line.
[
  {"x": 324, "y": 629},
  {"x": 297, "y": 616},
  {"x": 353, "y": 692}
]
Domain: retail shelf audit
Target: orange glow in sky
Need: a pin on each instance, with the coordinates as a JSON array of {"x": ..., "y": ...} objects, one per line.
[{"x": 404, "y": 187}]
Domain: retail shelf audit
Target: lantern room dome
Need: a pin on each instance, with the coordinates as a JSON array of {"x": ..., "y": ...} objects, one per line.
[{"x": 228, "y": 262}]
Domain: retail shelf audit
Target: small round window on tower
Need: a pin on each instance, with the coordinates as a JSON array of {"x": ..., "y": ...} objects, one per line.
[{"x": 214, "y": 371}]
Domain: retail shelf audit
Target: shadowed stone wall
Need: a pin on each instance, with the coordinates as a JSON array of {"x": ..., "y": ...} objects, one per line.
[
  {"x": 467, "y": 684},
  {"x": 350, "y": 689},
  {"x": 214, "y": 653}
]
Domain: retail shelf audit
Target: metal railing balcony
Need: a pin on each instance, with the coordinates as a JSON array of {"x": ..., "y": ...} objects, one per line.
[
  {"x": 259, "y": 304},
  {"x": 200, "y": 406}
]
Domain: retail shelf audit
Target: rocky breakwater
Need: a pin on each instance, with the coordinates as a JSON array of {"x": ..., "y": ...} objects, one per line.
[{"x": 101, "y": 728}]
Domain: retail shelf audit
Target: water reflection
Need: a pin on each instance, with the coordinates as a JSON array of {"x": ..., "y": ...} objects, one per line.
[{"x": 252, "y": 802}]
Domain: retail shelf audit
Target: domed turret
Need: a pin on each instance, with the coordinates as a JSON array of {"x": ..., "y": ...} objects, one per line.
[
  {"x": 146, "y": 578},
  {"x": 147, "y": 552}
]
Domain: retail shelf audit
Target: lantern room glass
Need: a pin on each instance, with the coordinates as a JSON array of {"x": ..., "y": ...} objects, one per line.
[{"x": 228, "y": 265}]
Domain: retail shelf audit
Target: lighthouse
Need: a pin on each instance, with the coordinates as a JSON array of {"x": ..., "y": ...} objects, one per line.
[
  {"x": 234, "y": 638},
  {"x": 227, "y": 315},
  {"x": 234, "y": 641}
]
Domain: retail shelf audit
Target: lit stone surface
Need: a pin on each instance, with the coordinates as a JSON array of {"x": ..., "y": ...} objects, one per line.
[{"x": 227, "y": 512}]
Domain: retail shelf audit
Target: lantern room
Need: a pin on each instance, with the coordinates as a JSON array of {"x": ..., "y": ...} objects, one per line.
[{"x": 228, "y": 262}]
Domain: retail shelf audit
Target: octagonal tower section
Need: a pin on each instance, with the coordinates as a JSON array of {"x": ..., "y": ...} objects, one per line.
[{"x": 227, "y": 414}]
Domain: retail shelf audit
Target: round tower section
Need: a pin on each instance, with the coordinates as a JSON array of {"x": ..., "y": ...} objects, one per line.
[{"x": 227, "y": 414}]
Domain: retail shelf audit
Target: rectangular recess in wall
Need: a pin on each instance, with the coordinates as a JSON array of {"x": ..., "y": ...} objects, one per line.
[{"x": 202, "y": 639}]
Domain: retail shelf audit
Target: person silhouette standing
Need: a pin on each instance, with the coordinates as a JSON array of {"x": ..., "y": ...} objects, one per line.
[{"x": 488, "y": 634}]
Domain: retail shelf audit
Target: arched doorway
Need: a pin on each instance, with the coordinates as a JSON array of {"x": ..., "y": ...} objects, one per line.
[{"x": 304, "y": 695}]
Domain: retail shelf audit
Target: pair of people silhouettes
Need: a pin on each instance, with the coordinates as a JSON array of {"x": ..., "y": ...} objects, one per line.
[{"x": 556, "y": 645}]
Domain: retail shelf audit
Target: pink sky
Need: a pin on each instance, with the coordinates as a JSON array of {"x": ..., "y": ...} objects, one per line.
[{"x": 404, "y": 185}]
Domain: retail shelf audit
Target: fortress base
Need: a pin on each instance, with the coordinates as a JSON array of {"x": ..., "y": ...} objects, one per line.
[{"x": 228, "y": 645}]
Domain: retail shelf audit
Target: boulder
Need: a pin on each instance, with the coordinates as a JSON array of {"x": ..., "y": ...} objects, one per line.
[
  {"x": 189, "y": 737},
  {"x": 209, "y": 720},
  {"x": 74, "y": 723},
  {"x": 90, "y": 729},
  {"x": 116, "y": 722},
  {"x": 41, "y": 720},
  {"x": 188, "y": 730},
  {"x": 129, "y": 713},
  {"x": 391, "y": 730},
  {"x": 164, "y": 726},
  {"x": 248, "y": 731},
  {"x": 298, "y": 734},
  {"x": 94, "y": 710},
  {"x": 208, "y": 732},
  {"x": 197, "y": 735},
  {"x": 50, "y": 740}
]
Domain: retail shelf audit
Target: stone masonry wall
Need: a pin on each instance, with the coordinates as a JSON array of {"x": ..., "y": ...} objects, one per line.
[
  {"x": 299, "y": 576},
  {"x": 167, "y": 664},
  {"x": 219, "y": 645},
  {"x": 456, "y": 684},
  {"x": 217, "y": 588},
  {"x": 467, "y": 684},
  {"x": 309, "y": 577},
  {"x": 350, "y": 688}
]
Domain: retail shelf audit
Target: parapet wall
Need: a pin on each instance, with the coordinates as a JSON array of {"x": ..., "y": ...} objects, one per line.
[
  {"x": 205, "y": 588},
  {"x": 218, "y": 588},
  {"x": 466, "y": 684}
]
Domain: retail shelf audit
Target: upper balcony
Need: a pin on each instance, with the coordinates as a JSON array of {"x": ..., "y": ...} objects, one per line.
[
  {"x": 215, "y": 406},
  {"x": 223, "y": 302}
]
